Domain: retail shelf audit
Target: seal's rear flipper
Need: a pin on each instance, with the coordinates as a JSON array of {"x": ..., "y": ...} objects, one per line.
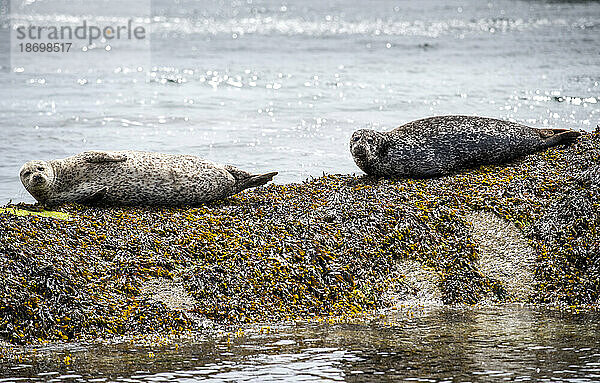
[
  {"x": 254, "y": 181},
  {"x": 554, "y": 137}
]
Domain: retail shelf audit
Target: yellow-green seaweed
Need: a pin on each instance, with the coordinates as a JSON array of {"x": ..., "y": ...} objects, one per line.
[{"x": 42, "y": 213}]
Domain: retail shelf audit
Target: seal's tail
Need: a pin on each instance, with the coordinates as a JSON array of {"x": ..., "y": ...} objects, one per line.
[
  {"x": 254, "y": 181},
  {"x": 554, "y": 137}
]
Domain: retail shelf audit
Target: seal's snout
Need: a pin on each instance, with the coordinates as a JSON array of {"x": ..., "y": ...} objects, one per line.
[
  {"x": 356, "y": 147},
  {"x": 358, "y": 150},
  {"x": 37, "y": 178}
]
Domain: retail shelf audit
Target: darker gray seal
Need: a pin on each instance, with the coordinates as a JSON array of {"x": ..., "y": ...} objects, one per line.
[
  {"x": 134, "y": 178},
  {"x": 443, "y": 145}
]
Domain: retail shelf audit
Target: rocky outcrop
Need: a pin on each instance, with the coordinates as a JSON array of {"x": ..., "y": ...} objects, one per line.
[{"x": 331, "y": 246}]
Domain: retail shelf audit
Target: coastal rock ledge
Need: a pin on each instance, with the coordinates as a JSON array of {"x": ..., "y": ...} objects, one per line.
[{"x": 332, "y": 246}]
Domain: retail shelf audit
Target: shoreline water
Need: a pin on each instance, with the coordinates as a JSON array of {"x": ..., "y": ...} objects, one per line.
[{"x": 479, "y": 340}]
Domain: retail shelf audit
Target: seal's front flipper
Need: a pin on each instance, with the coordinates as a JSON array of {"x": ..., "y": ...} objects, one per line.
[
  {"x": 95, "y": 198},
  {"x": 254, "y": 181},
  {"x": 553, "y": 137},
  {"x": 97, "y": 156}
]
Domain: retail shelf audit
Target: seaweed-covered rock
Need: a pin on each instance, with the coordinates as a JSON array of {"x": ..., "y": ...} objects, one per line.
[{"x": 335, "y": 245}]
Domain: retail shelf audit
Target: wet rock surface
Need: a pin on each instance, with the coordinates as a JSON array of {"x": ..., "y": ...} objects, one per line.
[{"x": 332, "y": 246}]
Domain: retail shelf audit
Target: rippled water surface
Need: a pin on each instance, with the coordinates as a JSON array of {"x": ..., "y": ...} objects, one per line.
[
  {"x": 281, "y": 85},
  {"x": 505, "y": 343}
]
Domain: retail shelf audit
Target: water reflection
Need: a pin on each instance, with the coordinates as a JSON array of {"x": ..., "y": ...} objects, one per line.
[{"x": 439, "y": 344}]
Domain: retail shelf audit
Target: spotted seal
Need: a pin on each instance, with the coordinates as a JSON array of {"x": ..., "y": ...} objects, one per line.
[
  {"x": 134, "y": 178},
  {"x": 446, "y": 144}
]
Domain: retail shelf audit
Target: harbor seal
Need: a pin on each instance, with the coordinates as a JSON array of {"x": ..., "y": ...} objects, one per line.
[
  {"x": 443, "y": 145},
  {"x": 134, "y": 178}
]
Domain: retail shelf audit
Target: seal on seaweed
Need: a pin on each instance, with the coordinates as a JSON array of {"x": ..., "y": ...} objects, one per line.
[
  {"x": 442, "y": 145},
  {"x": 134, "y": 178}
]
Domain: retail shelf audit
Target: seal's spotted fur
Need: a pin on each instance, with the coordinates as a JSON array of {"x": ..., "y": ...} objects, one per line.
[
  {"x": 134, "y": 178},
  {"x": 442, "y": 145}
]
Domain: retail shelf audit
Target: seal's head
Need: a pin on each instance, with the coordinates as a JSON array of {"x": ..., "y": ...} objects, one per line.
[
  {"x": 37, "y": 177},
  {"x": 366, "y": 147}
]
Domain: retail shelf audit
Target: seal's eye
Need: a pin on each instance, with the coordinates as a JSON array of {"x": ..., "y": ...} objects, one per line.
[
  {"x": 41, "y": 169},
  {"x": 26, "y": 174},
  {"x": 370, "y": 140},
  {"x": 355, "y": 138}
]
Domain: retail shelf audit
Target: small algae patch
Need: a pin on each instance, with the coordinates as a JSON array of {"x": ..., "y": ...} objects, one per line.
[{"x": 41, "y": 213}]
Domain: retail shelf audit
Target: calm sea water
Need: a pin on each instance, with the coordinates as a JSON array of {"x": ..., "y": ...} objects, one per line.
[
  {"x": 505, "y": 343},
  {"x": 281, "y": 85}
]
